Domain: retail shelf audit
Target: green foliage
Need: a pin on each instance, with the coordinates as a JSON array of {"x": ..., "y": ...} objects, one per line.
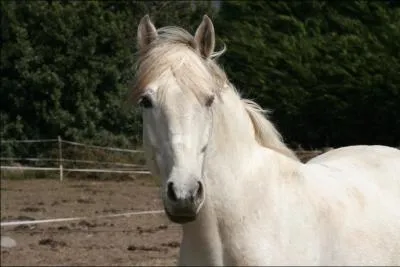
[
  {"x": 67, "y": 66},
  {"x": 329, "y": 70},
  {"x": 63, "y": 69}
]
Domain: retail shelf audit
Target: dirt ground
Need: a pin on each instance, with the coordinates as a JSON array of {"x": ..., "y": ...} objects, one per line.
[{"x": 135, "y": 240}]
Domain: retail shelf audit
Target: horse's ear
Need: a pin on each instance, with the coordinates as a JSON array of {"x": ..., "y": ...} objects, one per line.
[
  {"x": 146, "y": 32},
  {"x": 205, "y": 37}
]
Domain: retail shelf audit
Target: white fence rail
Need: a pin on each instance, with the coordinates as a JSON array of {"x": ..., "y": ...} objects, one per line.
[{"x": 133, "y": 168}]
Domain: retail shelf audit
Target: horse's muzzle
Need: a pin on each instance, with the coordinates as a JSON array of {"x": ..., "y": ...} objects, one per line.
[{"x": 183, "y": 203}]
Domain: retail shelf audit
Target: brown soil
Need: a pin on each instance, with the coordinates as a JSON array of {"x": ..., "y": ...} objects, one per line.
[{"x": 135, "y": 240}]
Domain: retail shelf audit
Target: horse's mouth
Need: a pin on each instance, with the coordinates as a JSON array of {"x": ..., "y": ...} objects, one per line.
[{"x": 181, "y": 219}]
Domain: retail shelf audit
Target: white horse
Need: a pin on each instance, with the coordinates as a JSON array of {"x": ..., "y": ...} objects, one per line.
[{"x": 241, "y": 195}]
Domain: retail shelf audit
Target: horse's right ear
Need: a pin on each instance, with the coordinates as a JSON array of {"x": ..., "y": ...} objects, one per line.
[
  {"x": 205, "y": 37},
  {"x": 146, "y": 32}
]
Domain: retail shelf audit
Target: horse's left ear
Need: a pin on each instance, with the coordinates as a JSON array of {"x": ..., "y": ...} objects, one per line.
[
  {"x": 205, "y": 37},
  {"x": 146, "y": 32}
]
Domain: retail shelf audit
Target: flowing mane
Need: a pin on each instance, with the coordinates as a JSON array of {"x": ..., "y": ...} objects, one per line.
[
  {"x": 175, "y": 50},
  {"x": 266, "y": 133}
]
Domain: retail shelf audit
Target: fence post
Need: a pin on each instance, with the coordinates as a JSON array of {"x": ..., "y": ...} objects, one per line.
[{"x": 60, "y": 157}]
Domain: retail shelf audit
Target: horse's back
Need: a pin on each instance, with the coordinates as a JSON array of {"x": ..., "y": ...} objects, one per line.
[
  {"x": 358, "y": 152},
  {"x": 372, "y": 217},
  {"x": 379, "y": 164}
]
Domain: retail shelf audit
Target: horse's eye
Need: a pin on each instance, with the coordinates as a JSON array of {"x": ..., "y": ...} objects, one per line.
[
  {"x": 210, "y": 100},
  {"x": 145, "y": 102}
]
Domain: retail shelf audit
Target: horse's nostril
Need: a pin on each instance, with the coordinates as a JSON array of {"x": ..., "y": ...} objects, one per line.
[
  {"x": 199, "y": 189},
  {"x": 171, "y": 192}
]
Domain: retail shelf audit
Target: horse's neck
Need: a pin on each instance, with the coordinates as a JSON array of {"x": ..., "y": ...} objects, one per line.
[
  {"x": 232, "y": 132},
  {"x": 239, "y": 173},
  {"x": 232, "y": 141}
]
